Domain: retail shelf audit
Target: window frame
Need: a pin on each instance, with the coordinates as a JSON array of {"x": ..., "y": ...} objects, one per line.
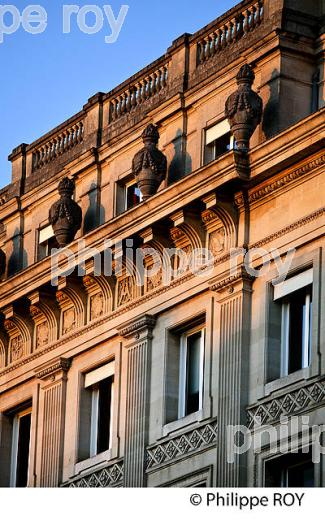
[
  {"x": 183, "y": 370},
  {"x": 126, "y": 186},
  {"x": 15, "y": 445},
  {"x": 302, "y": 262},
  {"x": 219, "y": 123}
]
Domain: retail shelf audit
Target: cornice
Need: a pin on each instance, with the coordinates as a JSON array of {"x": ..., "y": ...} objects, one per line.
[
  {"x": 272, "y": 187},
  {"x": 241, "y": 276},
  {"x": 59, "y": 365},
  {"x": 134, "y": 327}
]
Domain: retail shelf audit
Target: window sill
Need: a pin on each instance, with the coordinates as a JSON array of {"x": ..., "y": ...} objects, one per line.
[
  {"x": 289, "y": 380},
  {"x": 87, "y": 464},
  {"x": 183, "y": 423}
]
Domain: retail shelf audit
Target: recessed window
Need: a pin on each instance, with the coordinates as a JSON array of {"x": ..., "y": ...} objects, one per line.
[
  {"x": 96, "y": 412},
  {"x": 291, "y": 329},
  {"x": 46, "y": 242},
  {"x": 184, "y": 378},
  {"x": 292, "y": 470},
  {"x": 21, "y": 429},
  {"x": 218, "y": 141},
  {"x": 191, "y": 373},
  {"x": 132, "y": 195}
]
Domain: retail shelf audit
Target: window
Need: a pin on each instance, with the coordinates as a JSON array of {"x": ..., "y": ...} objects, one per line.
[
  {"x": 185, "y": 366},
  {"x": 96, "y": 412},
  {"x": 21, "y": 428},
  {"x": 133, "y": 195},
  {"x": 295, "y": 298},
  {"x": 46, "y": 242},
  {"x": 218, "y": 141},
  {"x": 291, "y": 326},
  {"x": 292, "y": 470},
  {"x": 191, "y": 373}
]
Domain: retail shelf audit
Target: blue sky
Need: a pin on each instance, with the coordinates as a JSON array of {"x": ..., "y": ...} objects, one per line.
[{"x": 46, "y": 78}]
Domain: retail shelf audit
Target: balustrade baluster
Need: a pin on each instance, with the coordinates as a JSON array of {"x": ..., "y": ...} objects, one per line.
[
  {"x": 257, "y": 7},
  {"x": 246, "y": 15},
  {"x": 229, "y": 32}
]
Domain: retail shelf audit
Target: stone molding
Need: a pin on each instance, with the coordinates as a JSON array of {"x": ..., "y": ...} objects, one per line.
[
  {"x": 257, "y": 194},
  {"x": 60, "y": 365},
  {"x": 134, "y": 327},
  {"x": 112, "y": 476},
  {"x": 242, "y": 275},
  {"x": 289, "y": 403},
  {"x": 190, "y": 442},
  {"x": 288, "y": 229}
]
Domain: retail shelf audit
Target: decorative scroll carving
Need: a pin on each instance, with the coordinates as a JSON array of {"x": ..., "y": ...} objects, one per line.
[
  {"x": 150, "y": 164},
  {"x": 177, "y": 447},
  {"x": 287, "y": 404},
  {"x": 72, "y": 310},
  {"x": 19, "y": 337},
  {"x": 125, "y": 290},
  {"x": 111, "y": 476},
  {"x": 99, "y": 296}
]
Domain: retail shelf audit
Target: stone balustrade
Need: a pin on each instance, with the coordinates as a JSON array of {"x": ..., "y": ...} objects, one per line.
[
  {"x": 136, "y": 94},
  {"x": 237, "y": 27},
  {"x": 58, "y": 145}
]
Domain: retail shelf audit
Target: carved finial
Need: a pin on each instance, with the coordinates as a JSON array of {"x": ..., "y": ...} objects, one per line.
[
  {"x": 246, "y": 75},
  {"x": 150, "y": 164},
  {"x": 66, "y": 187},
  {"x": 150, "y": 134},
  {"x": 244, "y": 108},
  {"x": 65, "y": 215}
]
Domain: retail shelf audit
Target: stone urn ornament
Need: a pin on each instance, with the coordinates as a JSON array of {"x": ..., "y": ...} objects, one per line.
[
  {"x": 150, "y": 164},
  {"x": 244, "y": 108},
  {"x": 65, "y": 215}
]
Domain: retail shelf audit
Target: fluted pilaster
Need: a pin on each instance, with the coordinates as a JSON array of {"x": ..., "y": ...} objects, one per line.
[
  {"x": 52, "y": 407},
  {"x": 234, "y": 312},
  {"x": 138, "y": 336}
]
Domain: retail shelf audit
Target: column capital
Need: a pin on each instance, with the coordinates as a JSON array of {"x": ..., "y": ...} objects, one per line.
[
  {"x": 137, "y": 327},
  {"x": 241, "y": 280},
  {"x": 54, "y": 368}
]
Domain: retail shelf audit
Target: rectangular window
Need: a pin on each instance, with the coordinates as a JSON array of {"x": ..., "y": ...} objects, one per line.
[
  {"x": 218, "y": 141},
  {"x": 191, "y": 373},
  {"x": 96, "y": 412},
  {"x": 292, "y": 470},
  {"x": 295, "y": 297},
  {"x": 46, "y": 242},
  {"x": 21, "y": 430},
  {"x": 133, "y": 195}
]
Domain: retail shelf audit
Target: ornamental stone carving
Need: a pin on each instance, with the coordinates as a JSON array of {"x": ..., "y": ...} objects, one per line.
[
  {"x": 244, "y": 108},
  {"x": 65, "y": 215},
  {"x": 150, "y": 164}
]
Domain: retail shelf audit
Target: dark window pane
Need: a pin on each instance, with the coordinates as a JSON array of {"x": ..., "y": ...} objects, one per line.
[
  {"x": 133, "y": 196},
  {"x": 193, "y": 373},
  {"x": 297, "y": 329},
  {"x": 23, "y": 451},
  {"x": 104, "y": 415},
  {"x": 292, "y": 470}
]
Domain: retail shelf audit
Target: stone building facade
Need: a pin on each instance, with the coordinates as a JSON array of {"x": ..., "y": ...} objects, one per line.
[{"x": 113, "y": 379}]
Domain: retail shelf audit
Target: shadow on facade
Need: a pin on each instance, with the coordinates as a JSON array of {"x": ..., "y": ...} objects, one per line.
[
  {"x": 18, "y": 257},
  {"x": 95, "y": 213},
  {"x": 181, "y": 164}
]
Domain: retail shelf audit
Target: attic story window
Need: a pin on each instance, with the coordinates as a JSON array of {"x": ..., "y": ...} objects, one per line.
[{"x": 218, "y": 141}]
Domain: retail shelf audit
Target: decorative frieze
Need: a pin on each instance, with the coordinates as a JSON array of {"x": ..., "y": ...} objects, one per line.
[
  {"x": 281, "y": 182},
  {"x": 290, "y": 403},
  {"x": 188, "y": 443},
  {"x": 112, "y": 476}
]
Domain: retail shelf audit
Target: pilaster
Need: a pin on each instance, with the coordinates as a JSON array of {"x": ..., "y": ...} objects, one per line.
[
  {"x": 234, "y": 315},
  {"x": 53, "y": 379},
  {"x": 138, "y": 335}
]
